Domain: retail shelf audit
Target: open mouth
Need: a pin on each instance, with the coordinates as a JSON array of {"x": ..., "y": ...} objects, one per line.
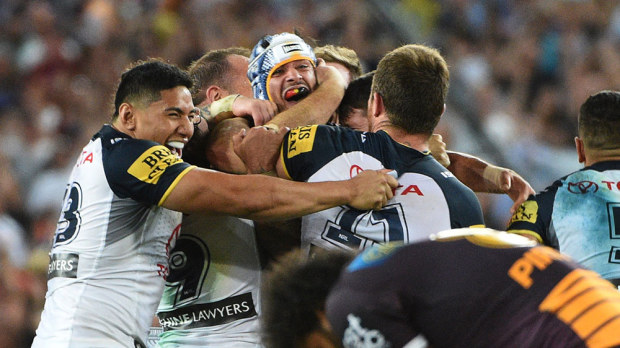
[
  {"x": 176, "y": 147},
  {"x": 296, "y": 94}
]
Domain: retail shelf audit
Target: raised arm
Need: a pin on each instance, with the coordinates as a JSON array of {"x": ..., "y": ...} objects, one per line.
[
  {"x": 319, "y": 105},
  {"x": 261, "y": 197}
]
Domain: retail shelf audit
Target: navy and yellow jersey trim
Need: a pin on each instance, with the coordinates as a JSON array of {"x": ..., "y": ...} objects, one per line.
[
  {"x": 281, "y": 157},
  {"x": 174, "y": 184},
  {"x": 527, "y": 233},
  {"x": 142, "y": 170},
  {"x": 307, "y": 149},
  {"x": 533, "y": 217}
]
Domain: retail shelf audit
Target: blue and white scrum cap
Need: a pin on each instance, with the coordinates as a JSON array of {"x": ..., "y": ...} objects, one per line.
[{"x": 271, "y": 52}]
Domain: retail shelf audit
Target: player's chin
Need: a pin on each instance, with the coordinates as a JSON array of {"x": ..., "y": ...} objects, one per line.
[{"x": 290, "y": 104}]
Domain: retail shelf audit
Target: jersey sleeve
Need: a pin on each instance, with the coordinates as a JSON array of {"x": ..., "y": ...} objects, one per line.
[
  {"x": 533, "y": 217},
  {"x": 143, "y": 170},
  {"x": 306, "y": 149}
]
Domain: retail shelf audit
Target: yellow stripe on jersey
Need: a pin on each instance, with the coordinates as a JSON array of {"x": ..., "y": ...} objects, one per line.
[
  {"x": 281, "y": 159},
  {"x": 174, "y": 184},
  {"x": 301, "y": 140},
  {"x": 152, "y": 163}
]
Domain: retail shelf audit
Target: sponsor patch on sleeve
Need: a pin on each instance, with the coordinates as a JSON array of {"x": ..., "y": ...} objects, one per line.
[
  {"x": 527, "y": 212},
  {"x": 301, "y": 140},
  {"x": 152, "y": 163},
  {"x": 63, "y": 265}
]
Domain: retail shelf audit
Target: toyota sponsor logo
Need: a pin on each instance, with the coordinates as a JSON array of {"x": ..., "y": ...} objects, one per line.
[
  {"x": 354, "y": 170},
  {"x": 582, "y": 187}
]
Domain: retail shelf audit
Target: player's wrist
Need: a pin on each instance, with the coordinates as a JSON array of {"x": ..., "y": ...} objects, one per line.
[
  {"x": 223, "y": 105},
  {"x": 493, "y": 177}
]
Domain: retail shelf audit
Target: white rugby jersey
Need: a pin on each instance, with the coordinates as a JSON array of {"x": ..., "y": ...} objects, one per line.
[
  {"x": 109, "y": 255},
  {"x": 428, "y": 199},
  {"x": 212, "y": 294}
]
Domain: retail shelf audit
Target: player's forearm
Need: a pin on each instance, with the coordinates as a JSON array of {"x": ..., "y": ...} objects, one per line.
[
  {"x": 296, "y": 199},
  {"x": 316, "y": 108},
  {"x": 469, "y": 170},
  {"x": 256, "y": 197},
  {"x": 481, "y": 176}
]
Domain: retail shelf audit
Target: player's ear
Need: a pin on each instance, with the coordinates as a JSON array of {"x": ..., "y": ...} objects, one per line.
[
  {"x": 214, "y": 93},
  {"x": 581, "y": 152},
  {"x": 126, "y": 116},
  {"x": 376, "y": 106}
]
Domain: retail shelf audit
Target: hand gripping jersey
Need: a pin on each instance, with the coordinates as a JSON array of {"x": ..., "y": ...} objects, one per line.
[
  {"x": 488, "y": 289},
  {"x": 110, "y": 251},
  {"x": 212, "y": 294},
  {"x": 429, "y": 198},
  {"x": 580, "y": 216}
]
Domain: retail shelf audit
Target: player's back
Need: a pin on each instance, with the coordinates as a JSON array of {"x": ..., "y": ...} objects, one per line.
[
  {"x": 580, "y": 216},
  {"x": 474, "y": 291},
  {"x": 429, "y": 198},
  {"x": 212, "y": 296}
]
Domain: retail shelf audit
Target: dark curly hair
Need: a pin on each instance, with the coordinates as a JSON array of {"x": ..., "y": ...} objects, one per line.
[
  {"x": 293, "y": 291},
  {"x": 599, "y": 120}
]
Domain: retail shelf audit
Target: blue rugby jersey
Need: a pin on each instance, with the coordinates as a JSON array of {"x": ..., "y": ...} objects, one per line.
[{"x": 580, "y": 216}]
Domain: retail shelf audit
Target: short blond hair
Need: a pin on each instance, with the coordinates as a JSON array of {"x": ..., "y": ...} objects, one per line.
[{"x": 342, "y": 55}]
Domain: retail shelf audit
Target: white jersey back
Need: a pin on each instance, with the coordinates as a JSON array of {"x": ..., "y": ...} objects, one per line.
[
  {"x": 211, "y": 297},
  {"x": 428, "y": 199}
]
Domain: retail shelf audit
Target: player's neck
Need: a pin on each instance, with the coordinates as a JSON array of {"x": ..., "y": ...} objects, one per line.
[
  {"x": 415, "y": 141},
  {"x": 601, "y": 155}
]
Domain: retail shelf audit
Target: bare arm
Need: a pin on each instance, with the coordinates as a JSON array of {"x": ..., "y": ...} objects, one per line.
[
  {"x": 261, "y": 197},
  {"x": 481, "y": 176},
  {"x": 259, "y": 148},
  {"x": 262, "y": 111},
  {"x": 236, "y": 105},
  {"x": 319, "y": 105}
]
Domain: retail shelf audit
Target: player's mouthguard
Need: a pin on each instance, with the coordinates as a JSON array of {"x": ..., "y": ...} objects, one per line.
[
  {"x": 176, "y": 147},
  {"x": 296, "y": 94}
]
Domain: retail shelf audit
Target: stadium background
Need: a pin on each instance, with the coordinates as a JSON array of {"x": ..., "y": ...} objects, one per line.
[{"x": 519, "y": 71}]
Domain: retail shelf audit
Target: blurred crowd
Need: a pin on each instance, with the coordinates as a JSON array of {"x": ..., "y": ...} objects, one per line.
[{"x": 520, "y": 70}]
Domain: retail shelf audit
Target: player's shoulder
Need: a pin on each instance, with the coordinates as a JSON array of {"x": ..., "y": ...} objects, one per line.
[
  {"x": 340, "y": 132},
  {"x": 594, "y": 179},
  {"x": 116, "y": 142},
  {"x": 322, "y": 138},
  {"x": 126, "y": 159}
]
